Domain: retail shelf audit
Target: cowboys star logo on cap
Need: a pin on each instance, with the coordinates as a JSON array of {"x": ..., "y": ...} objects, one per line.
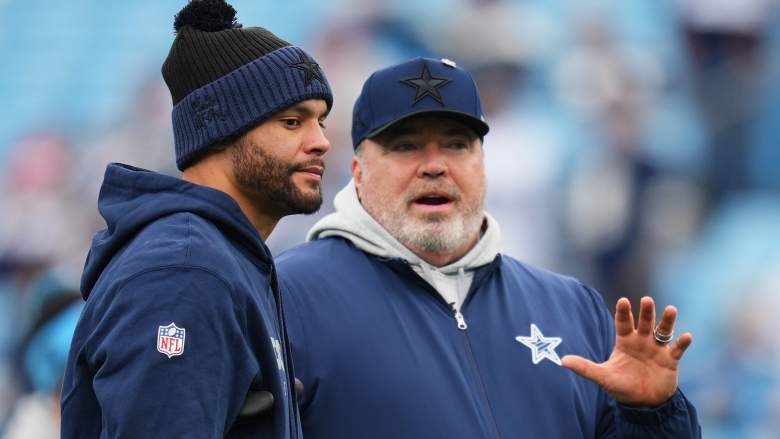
[
  {"x": 309, "y": 67},
  {"x": 426, "y": 85},
  {"x": 170, "y": 340}
]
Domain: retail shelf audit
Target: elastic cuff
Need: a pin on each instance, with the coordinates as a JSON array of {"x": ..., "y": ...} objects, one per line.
[{"x": 655, "y": 415}]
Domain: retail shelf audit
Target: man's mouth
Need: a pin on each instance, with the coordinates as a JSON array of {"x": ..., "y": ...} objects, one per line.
[
  {"x": 433, "y": 200},
  {"x": 315, "y": 170}
]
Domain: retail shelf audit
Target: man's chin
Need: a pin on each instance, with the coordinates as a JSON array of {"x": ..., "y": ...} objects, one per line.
[
  {"x": 431, "y": 219},
  {"x": 307, "y": 204}
]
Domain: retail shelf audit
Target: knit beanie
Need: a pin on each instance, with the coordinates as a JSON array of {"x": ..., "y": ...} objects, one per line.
[{"x": 225, "y": 79}]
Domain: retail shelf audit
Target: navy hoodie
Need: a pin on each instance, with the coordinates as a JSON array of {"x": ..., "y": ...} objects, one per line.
[{"x": 182, "y": 319}]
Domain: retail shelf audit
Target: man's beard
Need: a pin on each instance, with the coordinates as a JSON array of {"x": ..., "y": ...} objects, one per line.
[
  {"x": 268, "y": 181},
  {"x": 434, "y": 233}
]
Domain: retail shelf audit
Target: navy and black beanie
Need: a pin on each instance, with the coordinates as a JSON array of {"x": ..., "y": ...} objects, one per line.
[{"x": 225, "y": 79}]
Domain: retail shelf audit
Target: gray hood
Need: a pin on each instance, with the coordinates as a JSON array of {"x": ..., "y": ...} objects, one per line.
[{"x": 352, "y": 222}]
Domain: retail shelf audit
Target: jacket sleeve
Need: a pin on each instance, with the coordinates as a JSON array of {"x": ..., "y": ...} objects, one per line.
[
  {"x": 144, "y": 384},
  {"x": 675, "y": 419}
]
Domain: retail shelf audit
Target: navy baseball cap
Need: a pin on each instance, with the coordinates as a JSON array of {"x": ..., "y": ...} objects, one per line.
[{"x": 421, "y": 85}]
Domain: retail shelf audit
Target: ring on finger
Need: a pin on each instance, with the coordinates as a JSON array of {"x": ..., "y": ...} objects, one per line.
[{"x": 662, "y": 338}]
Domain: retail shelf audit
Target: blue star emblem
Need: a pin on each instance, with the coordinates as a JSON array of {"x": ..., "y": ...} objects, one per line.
[
  {"x": 541, "y": 347},
  {"x": 426, "y": 85},
  {"x": 310, "y": 69}
]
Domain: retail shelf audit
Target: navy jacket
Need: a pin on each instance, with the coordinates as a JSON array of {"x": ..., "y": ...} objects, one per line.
[
  {"x": 181, "y": 319},
  {"x": 381, "y": 356}
]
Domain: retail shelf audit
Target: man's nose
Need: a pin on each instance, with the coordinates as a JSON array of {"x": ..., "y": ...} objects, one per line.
[
  {"x": 316, "y": 142},
  {"x": 433, "y": 164}
]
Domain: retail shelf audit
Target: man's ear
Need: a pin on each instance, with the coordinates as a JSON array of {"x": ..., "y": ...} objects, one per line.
[{"x": 357, "y": 172}]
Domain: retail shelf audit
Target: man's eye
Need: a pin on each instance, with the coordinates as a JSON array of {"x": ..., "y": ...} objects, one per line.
[
  {"x": 457, "y": 145},
  {"x": 404, "y": 147},
  {"x": 291, "y": 123}
]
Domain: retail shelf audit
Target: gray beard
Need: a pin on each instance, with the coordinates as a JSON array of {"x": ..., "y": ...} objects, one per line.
[{"x": 436, "y": 235}]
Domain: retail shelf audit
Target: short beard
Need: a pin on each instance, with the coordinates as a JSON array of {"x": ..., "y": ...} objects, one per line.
[
  {"x": 268, "y": 182},
  {"x": 435, "y": 234}
]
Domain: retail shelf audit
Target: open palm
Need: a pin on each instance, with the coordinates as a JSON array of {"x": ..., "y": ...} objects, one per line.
[{"x": 641, "y": 371}]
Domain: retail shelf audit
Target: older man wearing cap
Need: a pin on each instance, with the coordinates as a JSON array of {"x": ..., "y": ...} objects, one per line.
[
  {"x": 183, "y": 335},
  {"x": 407, "y": 322}
]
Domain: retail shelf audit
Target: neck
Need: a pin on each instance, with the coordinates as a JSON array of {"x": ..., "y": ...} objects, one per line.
[{"x": 212, "y": 172}]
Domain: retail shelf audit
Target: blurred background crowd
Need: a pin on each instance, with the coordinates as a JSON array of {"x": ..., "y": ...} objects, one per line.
[{"x": 633, "y": 144}]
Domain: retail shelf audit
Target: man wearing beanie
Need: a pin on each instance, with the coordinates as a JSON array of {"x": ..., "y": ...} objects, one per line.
[
  {"x": 406, "y": 321},
  {"x": 183, "y": 333}
]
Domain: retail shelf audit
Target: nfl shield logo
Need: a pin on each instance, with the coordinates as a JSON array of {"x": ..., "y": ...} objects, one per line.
[{"x": 170, "y": 340}]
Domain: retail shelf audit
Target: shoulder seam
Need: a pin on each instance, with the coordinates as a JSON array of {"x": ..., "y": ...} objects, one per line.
[{"x": 207, "y": 270}]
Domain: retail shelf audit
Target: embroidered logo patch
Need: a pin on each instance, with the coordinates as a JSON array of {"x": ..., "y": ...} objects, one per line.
[
  {"x": 310, "y": 69},
  {"x": 541, "y": 347},
  {"x": 170, "y": 340},
  {"x": 205, "y": 110},
  {"x": 426, "y": 85}
]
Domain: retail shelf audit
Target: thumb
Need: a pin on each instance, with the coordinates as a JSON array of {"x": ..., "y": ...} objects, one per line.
[{"x": 584, "y": 367}]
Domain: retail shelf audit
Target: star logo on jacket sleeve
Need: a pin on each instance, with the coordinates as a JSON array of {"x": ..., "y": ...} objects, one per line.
[
  {"x": 310, "y": 68},
  {"x": 426, "y": 85},
  {"x": 541, "y": 347}
]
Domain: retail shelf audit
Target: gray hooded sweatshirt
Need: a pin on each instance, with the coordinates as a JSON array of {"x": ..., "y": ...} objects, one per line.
[{"x": 452, "y": 282}]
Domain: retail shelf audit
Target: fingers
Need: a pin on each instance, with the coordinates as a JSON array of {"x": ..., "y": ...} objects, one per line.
[
  {"x": 678, "y": 348},
  {"x": 666, "y": 325},
  {"x": 624, "y": 319},
  {"x": 646, "y": 316},
  {"x": 584, "y": 368},
  {"x": 624, "y": 324}
]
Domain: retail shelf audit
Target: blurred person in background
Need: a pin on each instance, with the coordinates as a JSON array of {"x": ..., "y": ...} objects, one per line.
[
  {"x": 611, "y": 196},
  {"x": 35, "y": 189},
  {"x": 182, "y": 331},
  {"x": 54, "y": 309},
  {"x": 731, "y": 268},
  {"x": 407, "y": 321},
  {"x": 726, "y": 43}
]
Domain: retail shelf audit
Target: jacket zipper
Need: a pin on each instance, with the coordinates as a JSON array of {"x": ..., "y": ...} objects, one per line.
[
  {"x": 463, "y": 326},
  {"x": 460, "y": 319},
  {"x": 473, "y": 362}
]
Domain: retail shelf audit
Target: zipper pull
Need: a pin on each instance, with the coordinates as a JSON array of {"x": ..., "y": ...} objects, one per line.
[{"x": 461, "y": 320}]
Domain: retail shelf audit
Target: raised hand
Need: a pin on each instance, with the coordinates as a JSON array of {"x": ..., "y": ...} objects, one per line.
[{"x": 642, "y": 370}]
